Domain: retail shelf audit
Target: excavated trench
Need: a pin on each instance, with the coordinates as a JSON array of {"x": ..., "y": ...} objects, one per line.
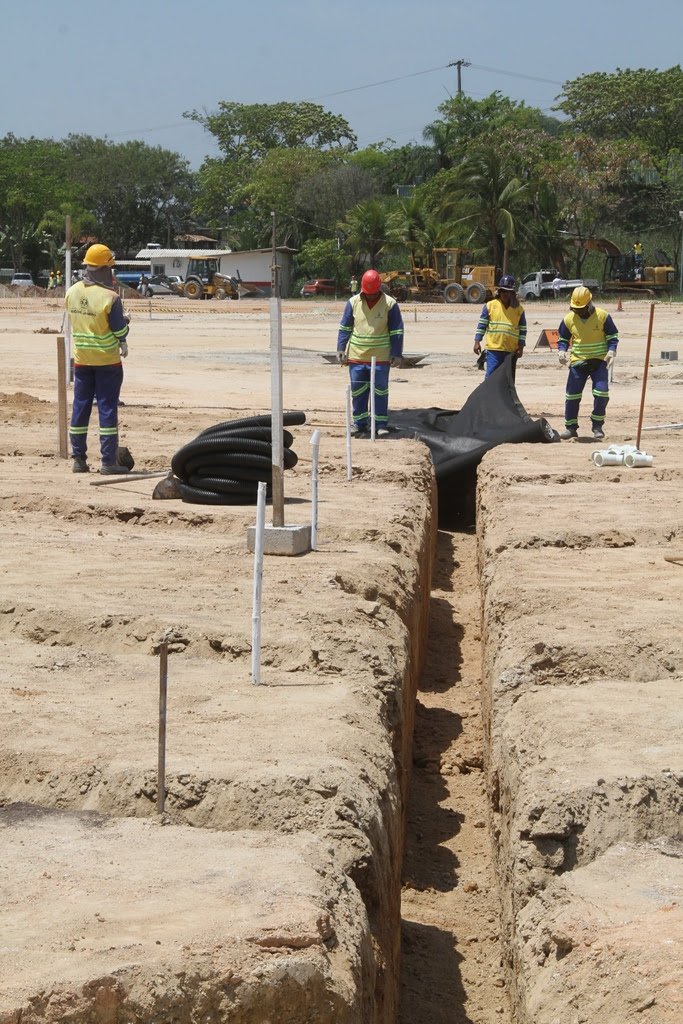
[{"x": 543, "y": 761}]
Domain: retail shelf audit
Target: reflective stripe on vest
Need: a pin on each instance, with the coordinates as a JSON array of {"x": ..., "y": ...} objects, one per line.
[
  {"x": 370, "y": 336},
  {"x": 94, "y": 342},
  {"x": 502, "y": 332}
]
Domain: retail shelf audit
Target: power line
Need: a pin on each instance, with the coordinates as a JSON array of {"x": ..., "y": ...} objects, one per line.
[
  {"x": 373, "y": 85},
  {"x": 515, "y": 74}
]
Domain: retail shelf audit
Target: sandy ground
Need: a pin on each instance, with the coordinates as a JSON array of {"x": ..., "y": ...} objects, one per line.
[{"x": 93, "y": 576}]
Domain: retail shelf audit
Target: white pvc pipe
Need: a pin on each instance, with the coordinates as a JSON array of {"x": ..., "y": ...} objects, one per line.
[
  {"x": 637, "y": 459},
  {"x": 258, "y": 585},
  {"x": 277, "y": 411},
  {"x": 349, "y": 464},
  {"x": 608, "y": 458},
  {"x": 315, "y": 446},
  {"x": 373, "y": 370}
]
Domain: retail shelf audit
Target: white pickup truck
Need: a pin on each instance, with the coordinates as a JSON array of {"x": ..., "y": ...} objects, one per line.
[{"x": 539, "y": 285}]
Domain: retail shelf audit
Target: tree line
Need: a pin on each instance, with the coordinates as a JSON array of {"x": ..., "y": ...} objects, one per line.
[{"x": 515, "y": 186}]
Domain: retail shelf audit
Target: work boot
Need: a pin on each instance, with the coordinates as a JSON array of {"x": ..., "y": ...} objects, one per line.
[
  {"x": 570, "y": 434},
  {"x": 80, "y": 465},
  {"x": 598, "y": 433},
  {"x": 113, "y": 468},
  {"x": 360, "y": 432},
  {"x": 383, "y": 432}
]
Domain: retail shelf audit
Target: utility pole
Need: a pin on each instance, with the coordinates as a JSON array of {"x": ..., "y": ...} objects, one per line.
[{"x": 459, "y": 64}]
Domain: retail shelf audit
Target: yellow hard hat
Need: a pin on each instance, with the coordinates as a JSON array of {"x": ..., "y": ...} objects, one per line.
[
  {"x": 99, "y": 256},
  {"x": 581, "y": 297}
]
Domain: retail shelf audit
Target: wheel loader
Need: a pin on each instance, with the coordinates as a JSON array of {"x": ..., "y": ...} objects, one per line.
[
  {"x": 449, "y": 277},
  {"x": 203, "y": 280}
]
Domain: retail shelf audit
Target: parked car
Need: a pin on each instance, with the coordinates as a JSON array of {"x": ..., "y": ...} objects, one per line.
[
  {"x": 319, "y": 286},
  {"x": 23, "y": 280},
  {"x": 162, "y": 284}
]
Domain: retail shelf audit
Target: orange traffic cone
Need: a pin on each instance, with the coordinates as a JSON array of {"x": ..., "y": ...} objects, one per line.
[{"x": 620, "y": 308}]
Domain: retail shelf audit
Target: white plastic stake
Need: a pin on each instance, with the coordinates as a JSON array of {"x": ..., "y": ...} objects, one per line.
[
  {"x": 276, "y": 411},
  {"x": 315, "y": 452},
  {"x": 349, "y": 464},
  {"x": 373, "y": 370},
  {"x": 258, "y": 585}
]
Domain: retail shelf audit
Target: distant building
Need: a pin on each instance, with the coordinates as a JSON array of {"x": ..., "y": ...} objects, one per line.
[{"x": 251, "y": 266}]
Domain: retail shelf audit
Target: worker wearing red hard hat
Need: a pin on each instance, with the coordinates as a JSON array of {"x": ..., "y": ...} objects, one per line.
[
  {"x": 501, "y": 326},
  {"x": 371, "y": 325},
  {"x": 98, "y": 329},
  {"x": 588, "y": 340}
]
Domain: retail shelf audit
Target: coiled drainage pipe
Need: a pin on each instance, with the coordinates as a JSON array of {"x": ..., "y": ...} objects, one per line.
[{"x": 224, "y": 464}]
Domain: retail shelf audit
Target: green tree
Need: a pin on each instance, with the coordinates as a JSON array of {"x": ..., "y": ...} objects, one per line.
[
  {"x": 253, "y": 140},
  {"x": 322, "y": 257},
  {"x": 136, "y": 192},
  {"x": 589, "y": 182},
  {"x": 33, "y": 178},
  {"x": 489, "y": 197},
  {"x": 644, "y": 104},
  {"x": 366, "y": 230},
  {"x": 247, "y": 131},
  {"x": 419, "y": 230}
]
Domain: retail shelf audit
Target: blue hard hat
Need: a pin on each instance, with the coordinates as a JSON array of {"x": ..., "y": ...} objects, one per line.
[{"x": 507, "y": 283}]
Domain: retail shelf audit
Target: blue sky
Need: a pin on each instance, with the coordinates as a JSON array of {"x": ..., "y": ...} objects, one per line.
[{"x": 129, "y": 70}]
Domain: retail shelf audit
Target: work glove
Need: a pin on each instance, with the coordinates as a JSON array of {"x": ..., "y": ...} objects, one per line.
[
  {"x": 342, "y": 357},
  {"x": 563, "y": 358},
  {"x": 396, "y": 361},
  {"x": 609, "y": 358},
  {"x": 123, "y": 349}
]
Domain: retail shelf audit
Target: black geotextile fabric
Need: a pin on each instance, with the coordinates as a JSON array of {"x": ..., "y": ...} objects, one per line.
[{"x": 492, "y": 415}]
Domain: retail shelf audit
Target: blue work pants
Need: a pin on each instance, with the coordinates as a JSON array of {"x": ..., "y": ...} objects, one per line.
[
  {"x": 360, "y": 394},
  {"x": 104, "y": 384},
  {"x": 579, "y": 373},
  {"x": 494, "y": 359}
]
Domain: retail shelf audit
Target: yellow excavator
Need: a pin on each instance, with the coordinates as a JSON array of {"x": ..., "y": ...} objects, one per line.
[
  {"x": 628, "y": 272},
  {"x": 203, "y": 280},
  {"x": 449, "y": 277}
]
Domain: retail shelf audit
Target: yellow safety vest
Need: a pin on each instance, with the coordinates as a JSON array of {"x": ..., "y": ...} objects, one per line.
[
  {"x": 370, "y": 335},
  {"x": 589, "y": 340},
  {"x": 502, "y": 332},
  {"x": 88, "y": 306}
]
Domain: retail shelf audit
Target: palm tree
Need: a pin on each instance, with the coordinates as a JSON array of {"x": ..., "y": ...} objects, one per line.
[
  {"x": 366, "y": 231},
  {"x": 442, "y": 135},
  {"x": 420, "y": 230},
  {"x": 494, "y": 198}
]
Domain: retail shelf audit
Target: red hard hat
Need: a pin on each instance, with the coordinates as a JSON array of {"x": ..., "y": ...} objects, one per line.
[{"x": 371, "y": 283}]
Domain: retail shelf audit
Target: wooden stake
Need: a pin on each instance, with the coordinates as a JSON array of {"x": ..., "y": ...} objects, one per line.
[
  {"x": 645, "y": 371},
  {"x": 163, "y": 688},
  {"x": 62, "y": 429}
]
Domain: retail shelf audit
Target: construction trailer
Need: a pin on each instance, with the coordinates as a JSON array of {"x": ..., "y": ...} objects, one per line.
[
  {"x": 628, "y": 272},
  {"x": 448, "y": 276}
]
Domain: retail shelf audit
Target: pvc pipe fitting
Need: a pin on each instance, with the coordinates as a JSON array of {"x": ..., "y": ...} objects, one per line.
[
  {"x": 636, "y": 459},
  {"x": 608, "y": 458}
]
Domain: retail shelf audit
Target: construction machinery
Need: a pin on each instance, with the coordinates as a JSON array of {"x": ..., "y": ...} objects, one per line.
[
  {"x": 449, "y": 276},
  {"x": 627, "y": 272},
  {"x": 203, "y": 280}
]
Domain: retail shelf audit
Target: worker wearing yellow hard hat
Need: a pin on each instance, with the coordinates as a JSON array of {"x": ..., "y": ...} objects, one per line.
[
  {"x": 588, "y": 340},
  {"x": 99, "y": 329}
]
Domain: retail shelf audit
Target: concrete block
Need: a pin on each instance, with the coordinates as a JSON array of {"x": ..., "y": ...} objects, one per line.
[
  {"x": 671, "y": 355},
  {"x": 282, "y": 540}
]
